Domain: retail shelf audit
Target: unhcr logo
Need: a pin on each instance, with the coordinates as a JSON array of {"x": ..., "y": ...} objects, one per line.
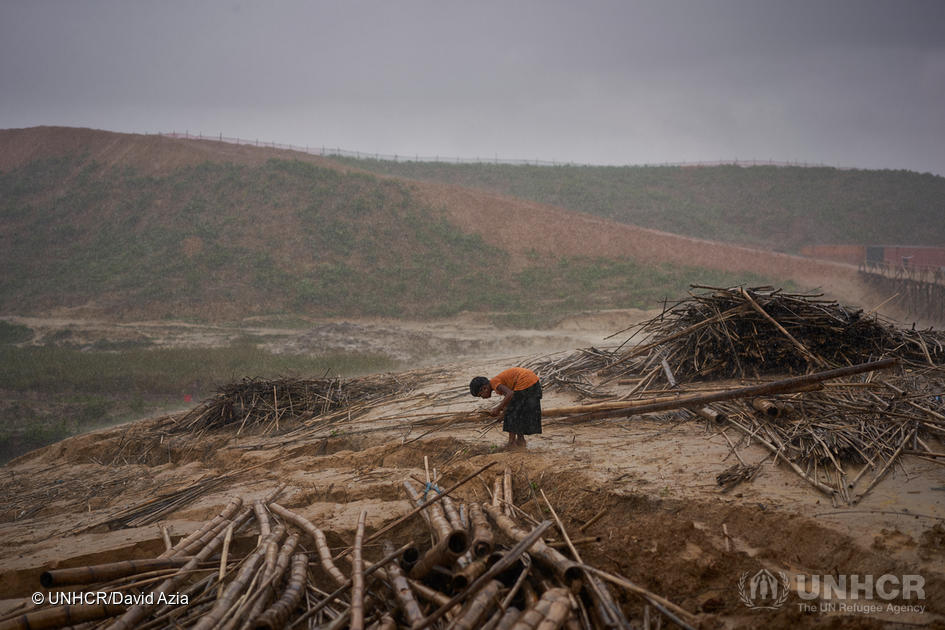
[
  {"x": 769, "y": 590},
  {"x": 764, "y": 589}
]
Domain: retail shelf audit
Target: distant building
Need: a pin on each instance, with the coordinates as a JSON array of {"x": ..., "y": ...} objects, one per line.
[{"x": 907, "y": 256}]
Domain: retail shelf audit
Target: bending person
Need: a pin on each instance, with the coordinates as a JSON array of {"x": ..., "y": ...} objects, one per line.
[{"x": 521, "y": 401}]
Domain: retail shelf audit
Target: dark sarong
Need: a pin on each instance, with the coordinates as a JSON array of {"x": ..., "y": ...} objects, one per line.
[{"x": 523, "y": 415}]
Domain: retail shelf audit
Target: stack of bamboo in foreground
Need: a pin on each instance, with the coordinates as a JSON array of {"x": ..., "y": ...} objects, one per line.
[
  {"x": 263, "y": 404},
  {"x": 265, "y": 566}
]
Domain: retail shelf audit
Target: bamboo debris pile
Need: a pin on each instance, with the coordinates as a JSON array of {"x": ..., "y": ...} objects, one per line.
[
  {"x": 573, "y": 372},
  {"x": 263, "y": 565},
  {"x": 742, "y": 333},
  {"x": 842, "y": 437},
  {"x": 264, "y": 404}
]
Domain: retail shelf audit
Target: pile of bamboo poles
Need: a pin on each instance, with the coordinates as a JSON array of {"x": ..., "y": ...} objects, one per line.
[
  {"x": 266, "y": 566},
  {"x": 842, "y": 438},
  {"x": 846, "y": 437},
  {"x": 739, "y": 333},
  {"x": 268, "y": 405}
]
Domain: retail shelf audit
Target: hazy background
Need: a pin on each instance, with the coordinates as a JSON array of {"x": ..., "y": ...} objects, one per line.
[{"x": 846, "y": 83}]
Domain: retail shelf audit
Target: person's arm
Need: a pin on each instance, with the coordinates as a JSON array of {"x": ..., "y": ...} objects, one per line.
[{"x": 506, "y": 397}]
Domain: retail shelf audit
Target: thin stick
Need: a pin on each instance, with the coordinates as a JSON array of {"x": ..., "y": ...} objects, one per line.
[
  {"x": 223, "y": 554},
  {"x": 615, "y": 618},
  {"x": 667, "y": 607},
  {"x": 357, "y": 577}
]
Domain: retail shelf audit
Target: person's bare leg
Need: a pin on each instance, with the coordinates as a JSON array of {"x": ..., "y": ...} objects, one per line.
[
  {"x": 512, "y": 440},
  {"x": 520, "y": 440}
]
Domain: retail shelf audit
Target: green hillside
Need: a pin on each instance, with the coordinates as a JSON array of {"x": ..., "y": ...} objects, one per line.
[
  {"x": 780, "y": 208},
  {"x": 218, "y": 241}
]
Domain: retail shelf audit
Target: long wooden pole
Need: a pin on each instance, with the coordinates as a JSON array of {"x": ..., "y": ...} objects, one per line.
[{"x": 785, "y": 386}]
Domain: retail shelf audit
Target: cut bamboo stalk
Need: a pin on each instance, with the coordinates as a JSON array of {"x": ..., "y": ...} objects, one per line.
[
  {"x": 478, "y": 607},
  {"x": 767, "y": 407},
  {"x": 444, "y": 553},
  {"x": 218, "y": 522},
  {"x": 711, "y": 414},
  {"x": 262, "y": 517},
  {"x": 508, "y": 619},
  {"x": 376, "y": 567},
  {"x": 227, "y": 601},
  {"x": 402, "y": 591},
  {"x": 168, "y": 545},
  {"x": 534, "y": 616},
  {"x": 498, "y": 495},
  {"x": 593, "y": 519},
  {"x": 227, "y": 538},
  {"x": 507, "y": 496},
  {"x": 321, "y": 543},
  {"x": 483, "y": 539},
  {"x": 275, "y": 617},
  {"x": 467, "y": 574},
  {"x": 452, "y": 514},
  {"x": 61, "y": 616},
  {"x": 507, "y": 560},
  {"x": 777, "y": 387},
  {"x": 357, "y": 577},
  {"x": 105, "y": 572},
  {"x": 268, "y": 589},
  {"x": 566, "y": 570}
]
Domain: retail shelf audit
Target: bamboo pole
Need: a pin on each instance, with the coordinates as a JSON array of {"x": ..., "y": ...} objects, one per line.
[
  {"x": 217, "y": 523},
  {"x": 567, "y": 570},
  {"x": 483, "y": 539},
  {"x": 311, "y": 612},
  {"x": 478, "y": 607},
  {"x": 106, "y": 572},
  {"x": 776, "y": 387},
  {"x": 357, "y": 577},
  {"x": 547, "y": 609},
  {"x": 321, "y": 543},
  {"x": 271, "y": 578},
  {"x": 507, "y": 495},
  {"x": 61, "y": 616},
  {"x": 262, "y": 517},
  {"x": 226, "y": 602},
  {"x": 276, "y": 615},
  {"x": 402, "y": 591}
]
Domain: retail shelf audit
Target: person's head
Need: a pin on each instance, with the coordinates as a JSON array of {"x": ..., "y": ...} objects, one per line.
[{"x": 480, "y": 387}]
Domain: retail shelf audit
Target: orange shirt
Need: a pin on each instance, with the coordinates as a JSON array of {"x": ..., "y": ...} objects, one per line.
[{"x": 516, "y": 379}]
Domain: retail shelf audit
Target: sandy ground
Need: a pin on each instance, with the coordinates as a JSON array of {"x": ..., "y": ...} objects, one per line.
[{"x": 666, "y": 524}]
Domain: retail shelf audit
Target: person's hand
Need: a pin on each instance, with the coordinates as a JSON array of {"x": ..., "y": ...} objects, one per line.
[{"x": 495, "y": 412}]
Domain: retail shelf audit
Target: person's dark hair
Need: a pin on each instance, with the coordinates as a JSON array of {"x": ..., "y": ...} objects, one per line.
[{"x": 476, "y": 384}]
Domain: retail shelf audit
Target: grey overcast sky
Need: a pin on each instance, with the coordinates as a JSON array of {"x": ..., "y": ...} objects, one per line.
[{"x": 843, "y": 82}]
